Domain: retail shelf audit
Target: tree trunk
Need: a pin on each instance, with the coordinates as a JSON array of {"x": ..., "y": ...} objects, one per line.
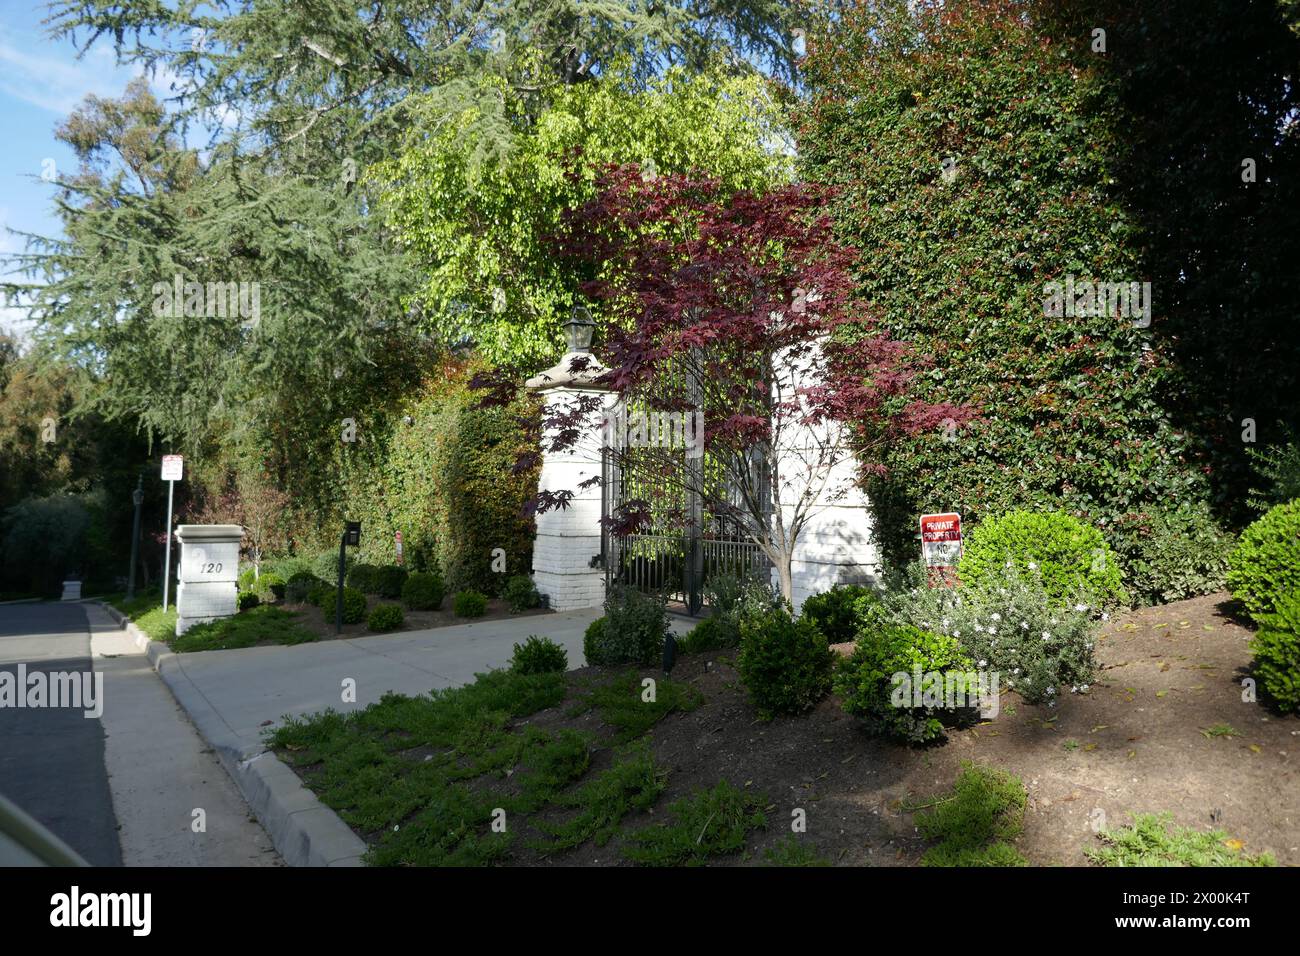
[{"x": 786, "y": 576}]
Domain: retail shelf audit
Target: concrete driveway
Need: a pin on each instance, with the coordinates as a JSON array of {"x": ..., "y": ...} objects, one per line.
[{"x": 235, "y": 696}]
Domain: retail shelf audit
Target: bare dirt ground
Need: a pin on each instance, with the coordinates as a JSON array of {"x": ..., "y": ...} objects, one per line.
[{"x": 1167, "y": 673}]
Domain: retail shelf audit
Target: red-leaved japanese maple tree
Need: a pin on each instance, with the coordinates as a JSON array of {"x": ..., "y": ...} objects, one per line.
[{"x": 740, "y": 307}]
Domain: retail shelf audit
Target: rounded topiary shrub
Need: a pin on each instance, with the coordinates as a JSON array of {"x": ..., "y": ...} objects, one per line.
[
  {"x": 271, "y": 584},
  {"x": 784, "y": 664},
  {"x": 593, "y": 639},
  {"x": 539, "y": 655},
  {"x": 1265, "y": 566},
  {"x": 1277, "y": 653},
  {"x": 875, "y": 682},
  {"x": 389, "y": 579},
  {"x": 520, "y": 593},
  {"x": 354, "y": 605},
  {"x": 469, "y": 604},
  {"x": 711, "y": 634},
  {"x": 423, "y": 591},
  {"x": 632, "y": 631},
  {"x": 839, "y": 612},
  {"x": 1070, "y": 558},
  {"x": 363, "y": 577},
  {"x": 320, "y": 593},
  {"x": 385, "y": 617},
  {"x": 248, "y": 600},
  {"x": 300, "y": 585}
]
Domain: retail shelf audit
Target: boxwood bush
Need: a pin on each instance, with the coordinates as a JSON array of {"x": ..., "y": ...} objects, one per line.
[
  {"x": 385, "y": 617},
  {"x": 363, "y": 577},
  {"x": 354, "y": 605},
  {"x": 1277, "y": 653},
  {"x": 538, "y": 655},
  {"x": 521, "y": 594},
  {"x": 388, "y": 580},
  {"x": 841, "y": 611},
  {"x": 248, "y": 600},
  {"x": 1070, "y": 558},
  {"x": 469, "y": 604},
  {"x": 784, "y": 663},
  {"x": 300, "y": 585},
  {"x": 423, "y": 591},
  {"x": 867, "y": 686},
  {"x": 632, "y": 631},
  {"x": 1265, "y": 565}
]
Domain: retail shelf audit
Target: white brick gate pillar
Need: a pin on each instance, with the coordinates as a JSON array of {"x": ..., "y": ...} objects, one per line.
[{"x": 566, "y": 552}]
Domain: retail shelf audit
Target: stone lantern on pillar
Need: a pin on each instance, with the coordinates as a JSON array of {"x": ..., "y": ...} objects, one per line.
[{"x": 568, "y": 539}]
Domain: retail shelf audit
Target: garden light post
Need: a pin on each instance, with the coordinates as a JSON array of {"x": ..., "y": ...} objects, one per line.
[
  {"x": 351, "y": 536},
  {"x": 137, "y": 497}
]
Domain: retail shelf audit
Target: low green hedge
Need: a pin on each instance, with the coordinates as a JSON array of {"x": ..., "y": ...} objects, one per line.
[
  {"x": 1264, "y": 568},
  {"x": 385, "y": 617},
  {"x": 784, "y": 664},
  {"x": 423, "y": 591},
  {"x": 1071, "y": 558}
]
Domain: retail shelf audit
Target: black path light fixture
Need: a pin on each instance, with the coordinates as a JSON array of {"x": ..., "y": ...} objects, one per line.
[
  {"x": 351, "y": 536},
  {"x": 579, "y": 329}
]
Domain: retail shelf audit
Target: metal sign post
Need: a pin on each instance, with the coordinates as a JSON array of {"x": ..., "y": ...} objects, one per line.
[{"x": 173, "y": 467}]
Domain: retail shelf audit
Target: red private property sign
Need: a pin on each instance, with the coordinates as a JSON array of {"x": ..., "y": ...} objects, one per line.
[
  {"x": 397, "y": 543},
  {"x": 941, "y": 541}
]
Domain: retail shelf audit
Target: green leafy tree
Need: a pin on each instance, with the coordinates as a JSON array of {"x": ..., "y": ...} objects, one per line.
[{"x": 482, "y": 230}]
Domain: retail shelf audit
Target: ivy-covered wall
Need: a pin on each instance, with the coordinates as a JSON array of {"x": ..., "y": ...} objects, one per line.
[
  {"x": 444, "y": 476},
  {"x": 981, "y": 151}
]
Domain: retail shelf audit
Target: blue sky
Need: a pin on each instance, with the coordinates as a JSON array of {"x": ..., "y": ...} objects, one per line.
[{"x": 41, "y": 81}]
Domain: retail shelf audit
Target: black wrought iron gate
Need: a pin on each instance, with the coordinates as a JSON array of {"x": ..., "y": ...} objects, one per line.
[{"x": 674, "y": 560}]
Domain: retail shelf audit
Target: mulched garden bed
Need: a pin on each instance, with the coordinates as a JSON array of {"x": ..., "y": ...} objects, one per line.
[{"x": 1152, "y": 735}]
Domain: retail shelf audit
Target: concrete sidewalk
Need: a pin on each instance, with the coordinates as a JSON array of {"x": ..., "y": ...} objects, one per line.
[{"x": 160, "y": 771}]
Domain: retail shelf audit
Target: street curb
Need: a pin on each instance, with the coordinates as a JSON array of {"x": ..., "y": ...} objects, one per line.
[{"x": 305, "y": 831}]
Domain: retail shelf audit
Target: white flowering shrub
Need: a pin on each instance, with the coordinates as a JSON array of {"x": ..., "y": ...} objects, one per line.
[{"x": 1008, "y": 626}]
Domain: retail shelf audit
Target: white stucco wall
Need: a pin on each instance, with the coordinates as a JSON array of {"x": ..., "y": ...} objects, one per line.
[{"x": 837, "y": 544}]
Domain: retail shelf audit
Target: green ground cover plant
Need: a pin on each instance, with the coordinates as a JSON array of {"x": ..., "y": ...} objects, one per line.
[
  {"x": 974, "y": 824},
  {"x": 1153, "y": 840},
  {"x": 261, "y": 625},
  {"x": 707, "y": 823}
]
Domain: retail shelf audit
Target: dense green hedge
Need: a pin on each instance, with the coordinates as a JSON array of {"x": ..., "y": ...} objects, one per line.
[
  {"x": 445, "y": 481},
  {"x": 1072, "y": 410}
]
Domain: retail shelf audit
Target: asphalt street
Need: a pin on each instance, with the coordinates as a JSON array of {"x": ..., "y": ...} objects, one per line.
[{"x": 52, "y": 758}]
